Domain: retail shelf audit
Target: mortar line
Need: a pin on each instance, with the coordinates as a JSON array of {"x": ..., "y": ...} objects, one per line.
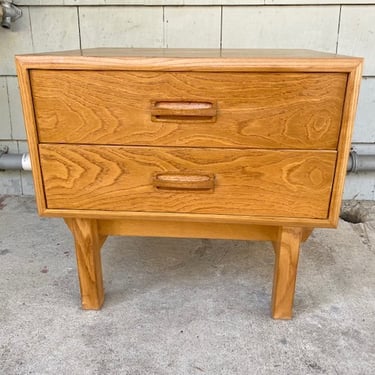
[
  {"x": 79, "y": 28},
  {"x": 9, "y": 111},
  {"x": 221, "y": 27},
  {"x": 31, "y": 29},
  {"x": 164, "y": 29},
  {"x": 338, "y": 29}
]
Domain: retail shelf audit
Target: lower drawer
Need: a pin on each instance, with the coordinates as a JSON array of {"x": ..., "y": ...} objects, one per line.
[{"x": 281, "y": 183}]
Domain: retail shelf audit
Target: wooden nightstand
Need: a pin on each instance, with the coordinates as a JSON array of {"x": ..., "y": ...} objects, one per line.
[{"x": 240, "y": 144}]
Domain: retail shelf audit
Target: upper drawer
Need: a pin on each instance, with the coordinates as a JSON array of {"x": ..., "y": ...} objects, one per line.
[{"x": 261, "y": 110}]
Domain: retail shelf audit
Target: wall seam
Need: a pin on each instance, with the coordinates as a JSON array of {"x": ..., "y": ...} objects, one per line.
[
  {"x": 221, "y": 27},
  {"x": 79, "y": 28},
  {"x": 338, "y": 30},
  {"x": 9, "y": 110},
  {"x": 165, "y": 44},
  {"x": 31, "y": 29}
]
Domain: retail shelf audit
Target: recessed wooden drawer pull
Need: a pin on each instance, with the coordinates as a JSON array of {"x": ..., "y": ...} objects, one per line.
[
  {"x": 183, "y": 111},
  {"x": 184, "y": 181}
]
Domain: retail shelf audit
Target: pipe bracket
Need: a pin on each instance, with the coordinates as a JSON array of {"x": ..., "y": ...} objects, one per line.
[
  {"x": 10, "y": 13},
  {"x": 3, "y": 150}
]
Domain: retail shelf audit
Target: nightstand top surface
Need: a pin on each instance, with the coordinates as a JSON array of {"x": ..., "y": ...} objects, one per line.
[{"x": 194, "y": 53}]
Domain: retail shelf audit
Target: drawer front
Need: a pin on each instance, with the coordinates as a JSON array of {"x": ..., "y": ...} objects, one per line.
[
  {"x": 188, "y": 180},
  {"x": 242, "y": 110}
]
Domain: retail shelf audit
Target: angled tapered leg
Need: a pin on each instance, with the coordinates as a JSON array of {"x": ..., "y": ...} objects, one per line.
[
  {"x": 88, "y": 243},
  {"x": 285, "y": 272}
]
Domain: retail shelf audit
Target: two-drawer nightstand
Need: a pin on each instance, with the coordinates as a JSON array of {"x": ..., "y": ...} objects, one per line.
[{"x": 239, "y": 144}]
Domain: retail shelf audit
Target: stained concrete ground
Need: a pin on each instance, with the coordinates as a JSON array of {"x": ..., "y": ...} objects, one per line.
[{"x": 183, "y": 306}]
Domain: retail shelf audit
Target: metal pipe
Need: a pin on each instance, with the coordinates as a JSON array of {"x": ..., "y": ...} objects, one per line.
[
  {"x": 11, "y": 161},
  {"x": 360, "y": 163},
  {"x": 14, "y": 161}
]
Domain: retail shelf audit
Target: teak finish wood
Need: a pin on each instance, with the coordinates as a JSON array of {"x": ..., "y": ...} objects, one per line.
[
  {"x": 245, "y": 144},
  {"x": 257, "y": 110},
  {"x": 88, "y": 242},
  {"x": 187, "y": 60},
  {"x": 247, "y": 182},
  {"x": 287, "y": 249}
]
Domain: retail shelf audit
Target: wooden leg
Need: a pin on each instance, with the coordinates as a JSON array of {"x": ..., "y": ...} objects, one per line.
[
  {"x": 306, "y": 232},
  {"x": 285, "y": 272},
  {"x": 88, "y": 243}
]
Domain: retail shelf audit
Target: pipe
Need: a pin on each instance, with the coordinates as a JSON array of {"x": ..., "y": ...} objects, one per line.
[
  {"x": 14, "y": 161},
  {"x": 9, "y": 13},
  {"x": 360, "y": 163}
]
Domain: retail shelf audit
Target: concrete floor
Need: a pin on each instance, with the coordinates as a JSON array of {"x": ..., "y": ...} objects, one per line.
[{"x": 183, "y": 306}]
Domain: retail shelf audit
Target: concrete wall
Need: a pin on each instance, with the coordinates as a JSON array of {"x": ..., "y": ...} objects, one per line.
[{"x": 346, "y": 27}]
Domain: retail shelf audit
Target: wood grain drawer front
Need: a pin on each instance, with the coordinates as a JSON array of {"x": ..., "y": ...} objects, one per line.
[
  {"x": 246, "y": 182},
  {"x": 238, "y": 109}
]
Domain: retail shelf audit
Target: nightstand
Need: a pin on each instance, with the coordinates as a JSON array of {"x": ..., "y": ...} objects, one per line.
[{"x": 238, "y": 144}]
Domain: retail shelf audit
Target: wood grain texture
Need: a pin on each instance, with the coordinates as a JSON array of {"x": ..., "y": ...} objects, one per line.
[
  {"x": 258, "y": 110},
  {"x": 285, "y": 271},
  {"x": 32, "y": 135},
  {"x": 224, "y": 60},
  {"x": 186, "y": 229},
  {"x": 344, "y": 145},
  {"x": 247, "y": 182},
  {"x": 187, "y": 217},
  {"x": 88, "y": 243},
  {"x": 123, "y": 141}
]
